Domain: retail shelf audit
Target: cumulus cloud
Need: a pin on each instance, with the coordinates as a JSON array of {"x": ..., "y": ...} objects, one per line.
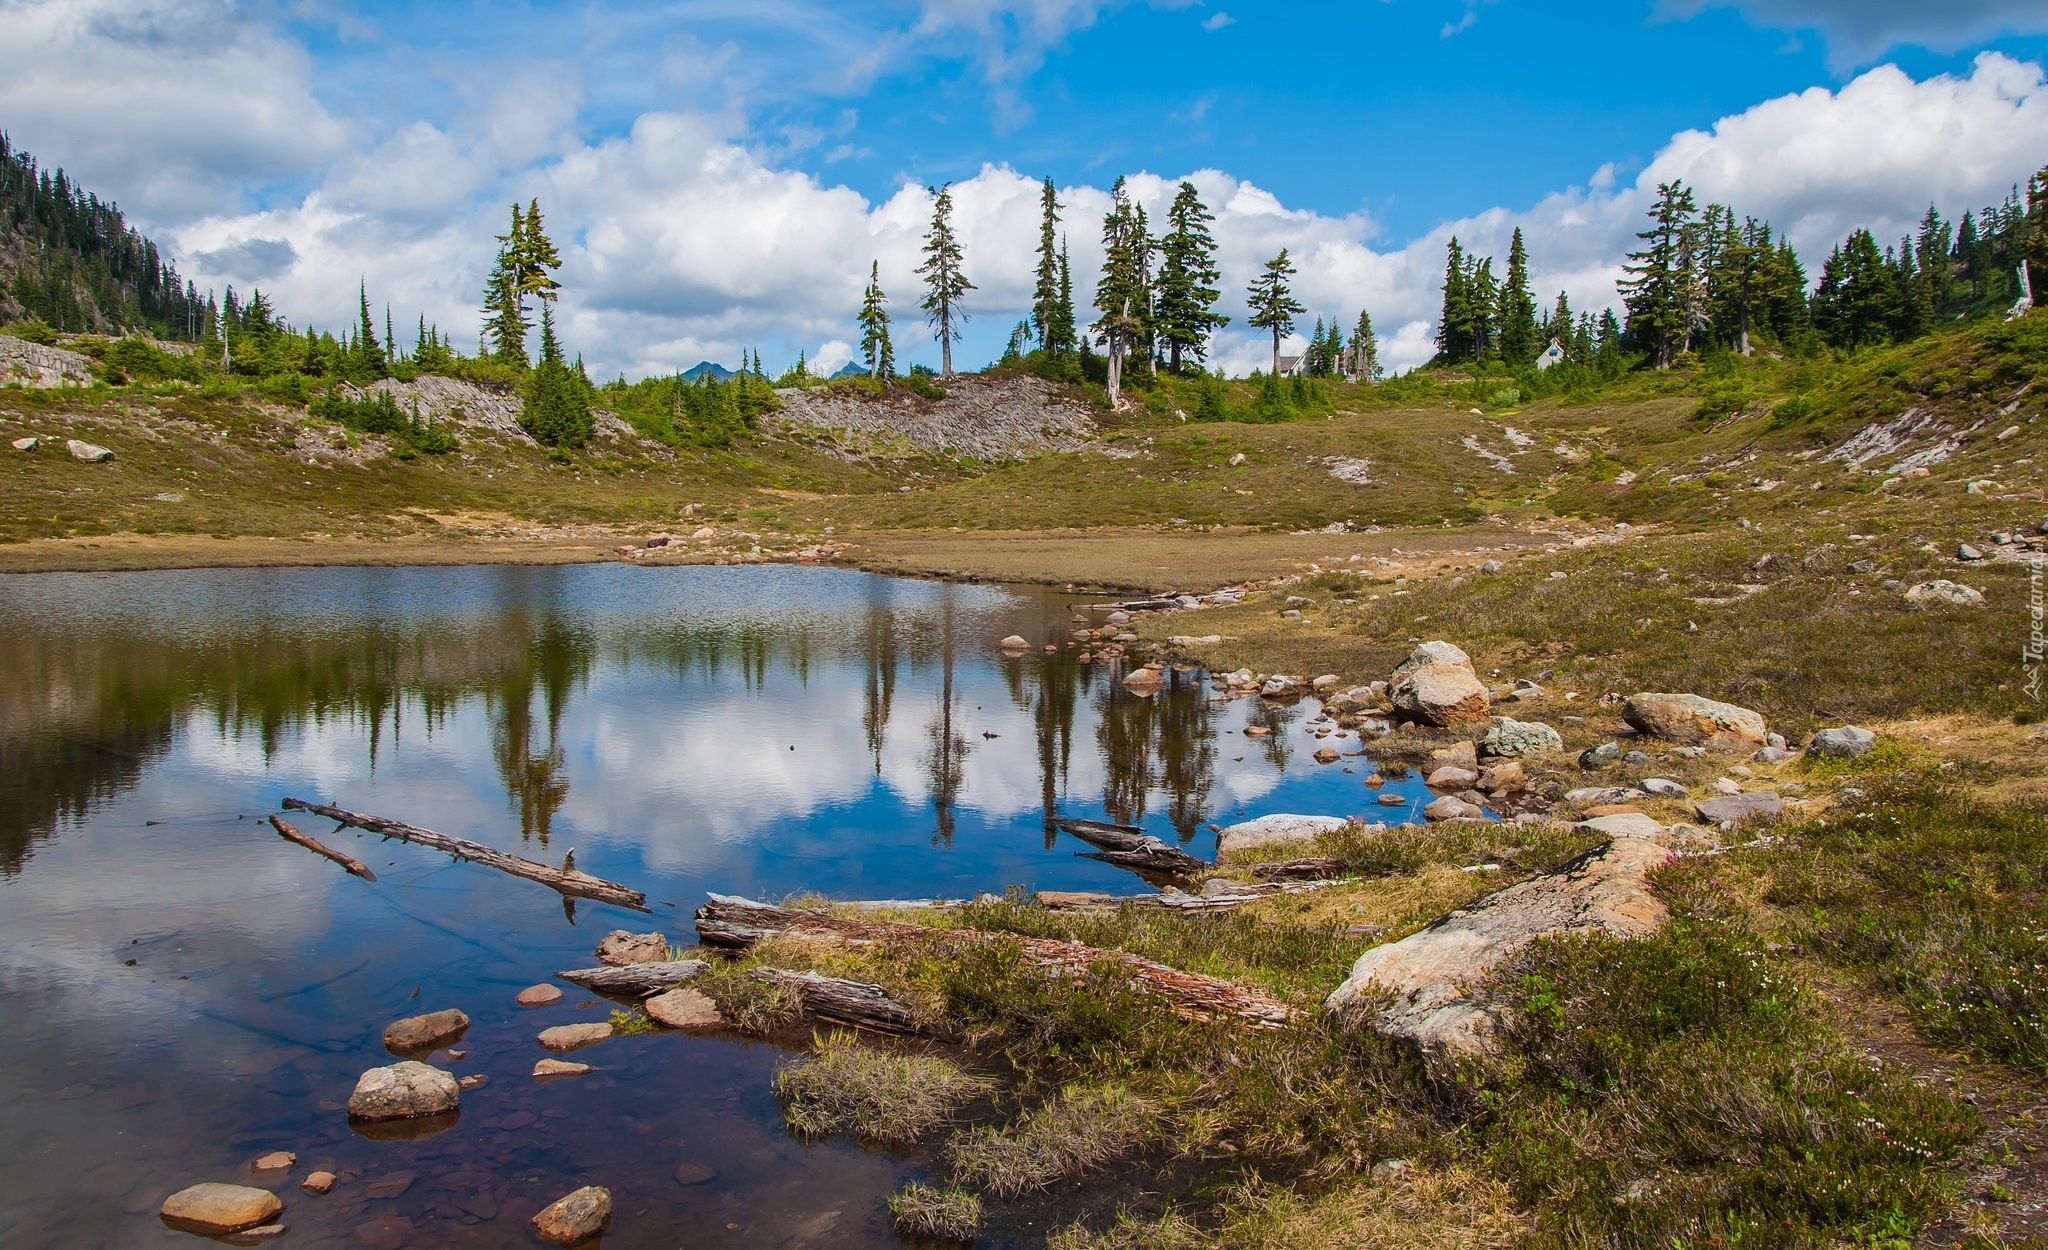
[
  {"x": 1857, "y": 31},
  {"x": 183, "y": 102}
]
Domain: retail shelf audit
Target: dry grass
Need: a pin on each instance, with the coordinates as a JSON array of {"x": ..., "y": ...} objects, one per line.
[
  {"x": 877, "y": 1095},
  {"x": 1056, "y": 1140},
  {"x": 1413, "y": 1208},
  {"x": 921, "y": 1210}
]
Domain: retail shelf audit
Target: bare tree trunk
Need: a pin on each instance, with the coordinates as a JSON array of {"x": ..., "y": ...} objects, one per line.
[
  {"x": 640, "y": 980},
  {"x": 945, "y": 341},
  {"x": 1276, "y": 351},
  {"x": 1116, "y": 370},
  {"x": 352, "y": 864}
]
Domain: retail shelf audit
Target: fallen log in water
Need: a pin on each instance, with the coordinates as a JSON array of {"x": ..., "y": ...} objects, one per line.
[
  {"x": 641, "y": 980},
  {"x": 1127, "y": 846},
  {"x": 842, "y": 1001},
  {"x": 354, "y": 866},
  {"x": 738, "y": 923},
  {"x": 567, "y": 881}
]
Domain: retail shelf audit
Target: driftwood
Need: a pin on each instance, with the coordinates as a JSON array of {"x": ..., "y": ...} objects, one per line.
[
  {"x": 738, "y": 923},
  {"x": 842, "y": 1001},
  {"x": 569, "y": 882},
  {"x": 1127, "y": 846},
  {"x": 1298, "y": 869},
  {"x": 356, "y": 867},
  {"x": 639, "y": 980},
  {"x": 1160, "y": 604}
]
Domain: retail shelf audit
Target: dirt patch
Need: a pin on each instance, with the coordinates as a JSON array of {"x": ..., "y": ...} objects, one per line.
[{"x": 990, "y": 419}]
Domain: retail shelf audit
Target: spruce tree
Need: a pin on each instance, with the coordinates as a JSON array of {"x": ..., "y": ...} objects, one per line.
[
  {"x": 1482, "y": 298},
  {"x": 1188, "y": 275},
  {"x": 1362, "y": 359},
  {"x": 1121, "y": 294},
  {"x": 1454, "y": 317},
  {"x": 505, "y": 321},
  {"x": 1312, "y": 360},
  {"x": 370, "y": 361},
  {"x": 1517, "y": 317},
  {"x": 557, "y": 411},
  {"x": 945, "y": 284},
  {"x": 1045, "y": 291},
  {"x": 1062, "y": 329},
  {"x": 1272, "y": 302},
  {"x": 1657, "y": 286},
  {"x": 874, "y": 328},
  {"x": 535, "y": 256}
]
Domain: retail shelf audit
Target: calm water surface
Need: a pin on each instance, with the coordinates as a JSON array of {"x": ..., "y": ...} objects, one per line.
[{"x": 182, "y": 991}]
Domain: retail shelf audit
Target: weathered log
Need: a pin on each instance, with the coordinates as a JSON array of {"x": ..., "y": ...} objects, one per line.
[
  {"x": 640, "y": 980},
  {"x": 739, "y": 923},
  {"x": 1126, "y": 846},
  {"x": 842, "y": 1001},
  {"x": 1160, "y": 604},
  {"x": 1308, "y": 869},
  {"x": 567, "y": 881},
  {"x": 355, "y": 867}
]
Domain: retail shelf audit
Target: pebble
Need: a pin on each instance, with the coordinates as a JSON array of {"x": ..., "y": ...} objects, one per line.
[
  {"x": 1391, "y": 800},
  {"x": 694, "y": 1173},
  {"x": 318, "y": 1182},
  {"x": 217, "y": 1208},
  {"x": 576, "y": 1217},
  {"x": 275, "y": 1161},
  {"x": 538, "y": 996}
]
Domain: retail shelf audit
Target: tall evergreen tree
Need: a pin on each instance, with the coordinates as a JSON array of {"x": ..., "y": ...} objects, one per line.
[
  {"x": 1045, "y": 290},
  {"x": 1062, "y": 328},
  {"x": 1657, "y": 288},
  {"x": 505, "y": 320},
  {"x": 1272, "y": 302},
  {"x": 1517, "y": 317},
  {"x": 1188, "y": 275},
  {"x": 1122, "y": 294},
  {"x": 945, "y": 284},
  {"x": 1362, "y": 358},
  {"x": 874, "y": 328},
  {"x": 1456, "y": 314},
  {"x": 1482, "y": 298},
  {"x": 370, "y": 361},
  {"x": 557, "y": 411}
]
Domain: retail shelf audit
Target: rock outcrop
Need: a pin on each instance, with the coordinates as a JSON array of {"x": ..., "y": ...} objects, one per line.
[
  {"x": 999, "y": 418},
  {"x": 1277, "y": 829},
  {"x": 1436, "y": 685},
  {"x": 620, "y": 948},
  {"x": 1419, "y": 989},
  {"x": 1691, "y": 720}
]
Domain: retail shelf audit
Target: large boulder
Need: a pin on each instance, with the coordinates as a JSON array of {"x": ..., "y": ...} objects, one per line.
[
  {"x": 403, "y": 1091},
  {"x": 578, "y": 1217},
  {"x": 1507, "y": 738},
  {"x": 215, "y": 1208},
  {"x": 1943, "y": 591},
  {"x": 1437, "y": 685},
  {"x": 1274, "y": 830},
  {"x": 1420, "y": 989},
  {"x": 1694, "y": 721},
  {"x": 90, "y": 453},
  {"x": 1846, "y": 742},
  {"x": 420, "y": 1033},
  {"x": 620, "y": 948}
]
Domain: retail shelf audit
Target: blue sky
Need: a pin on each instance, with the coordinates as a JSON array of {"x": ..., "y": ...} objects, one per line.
[{"x": 724, "y": 171}]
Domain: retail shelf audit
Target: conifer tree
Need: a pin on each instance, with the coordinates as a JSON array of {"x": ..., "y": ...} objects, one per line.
[
  {"x": 1121, "y": 294},
  {"x": 505, "y": 320},
  {"x": 1455, "y": 315},
  {"x": 1272, "y": 302},
  {"x": 1045, "y": 291},
  {"x": 874, "y": 329},
  {"x": 1062, "y": 330},
  {"x": 1362, "y": 358},
  {"x": 1188, "y": 275},
  {"x": 1517, "y": 316},
  {"x": 945, "y": 284},
  {"x": 1312, "y": 360},
  {"x": 1657, "y": 286},
  {"x": 1560, "y": 326},
  {"x": 1482, "y": 298},
  {"x": 557, "y": 411},
  {"x": 370, "y": 361}
]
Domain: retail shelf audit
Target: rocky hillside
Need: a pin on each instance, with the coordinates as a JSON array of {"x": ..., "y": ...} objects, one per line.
[{"x": 988, "y": 418}]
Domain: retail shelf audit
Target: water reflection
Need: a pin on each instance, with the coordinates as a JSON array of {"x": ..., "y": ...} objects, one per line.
[{"x": 180, "y": 990}]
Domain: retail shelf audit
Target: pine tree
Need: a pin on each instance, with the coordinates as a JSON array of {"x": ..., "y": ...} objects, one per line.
[
  {"x": 1061, "y": 330},
  {"x": 390, "y": 339},
  {"x": 1045, "y": 291},
  {"x": 1272, "y": 302},
  {"x": 557, "y": 411},
  {"x": 536, "y": 256},
  {"x": 1932, "y": 250},
  {"x": 874, "y": 328},
  {"x": 945, "y": 284},
  {"x": 1188, "y": 275},
  {"x": 1517, "y": 316},
  {"x": 1657, "y": 289},
  {"x": 370, "y": 361},
  {"x": 505, "y": 320},
  {"x": 1560, "y": 327},
  {"x": 1482, "y": 297},
  {"x": 1312, "y": 360},
  {"x": 1362, "y": 359},
  {"x": 1122, "y": 295},
  {"x": 1455, "y": 316}
]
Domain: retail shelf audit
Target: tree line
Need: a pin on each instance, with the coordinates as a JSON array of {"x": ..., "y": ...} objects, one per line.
[{"x": 1710, "y": 279}]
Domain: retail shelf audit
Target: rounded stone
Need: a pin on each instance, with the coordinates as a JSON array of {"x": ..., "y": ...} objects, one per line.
[
  {"x": 577, "y": 1217},
  {"x": 217, "y": 1208},
  {"x": 683, "y": 1008},
  {"x": 571, "y": 1036},
  {"x": 417, "y": 1033},
  {"x": 403, "y": 1091},
  {"x": 538, "y": 996}
]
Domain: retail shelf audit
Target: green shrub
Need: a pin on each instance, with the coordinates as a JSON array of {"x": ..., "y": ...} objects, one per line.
[
  {"x": 379, "y": 414},
  {"x": 876, "y": 1094}
]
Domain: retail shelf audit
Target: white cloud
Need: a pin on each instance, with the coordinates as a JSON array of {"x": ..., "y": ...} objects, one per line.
[
  {"x": 183, "y": 103},
  {"x": 1858, "y": 31},
  {"x": 1217, "y": 21}
]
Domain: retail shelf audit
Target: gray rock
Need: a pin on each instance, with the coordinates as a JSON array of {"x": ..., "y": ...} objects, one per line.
[
  {"x": 1774, "y": 755},
  {"x": 90, "y": 453},
  {"x": 1943, "y": 591},
  {"x": 1735, "y": 810},
  {"x": 403, "y": 1091},
  {"x": 1693, "y": 721},
  {"x": 1277, "y": 829},
  {"x": 573, "y": 1036},
  {"x": 1846, "y": 742},
  {"x": 1449, "y": 807},
  {"x": 1492, "y": 566},
  {"x": 1513, "y": 739},
  {"x": 1418, "y": 989},
  {"x": 1015, "y": 642},
  {"x": 1862, "y": 566},
  {"x": 1662, "y": 787},
  {"x": 620, "y": 948},
  {"x": 417, "y": 1033},
  {"x": 1637, "y": 758},
  {"x": 1725, "y": 785},
  {"x": 216, "y": 1208},
  {"x": 1965, "y": 551},
  {"x": 1775, "y": 740},
  {"x": 1601, "y": 756},
  {"x": 27, "y": 444},
  {"x": 1279, "y": 687},
  {"x": 1624, "y": 825},
  {"x": 1595, "y": 796},
  {"x": 577, "y": 1217},
  {"x": 1437, "y": 685}
]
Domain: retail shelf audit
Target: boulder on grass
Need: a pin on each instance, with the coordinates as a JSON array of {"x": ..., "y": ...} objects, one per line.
[
  {"x": 1693, "y": 721},
  {"x": 1418, "y": 990},
  {"x": 1508, "y": 738},
  {"x": 1847, "y": 742},
  {"x": 1437, "y": 685},
  {"x": 1274, "y": 830}
]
